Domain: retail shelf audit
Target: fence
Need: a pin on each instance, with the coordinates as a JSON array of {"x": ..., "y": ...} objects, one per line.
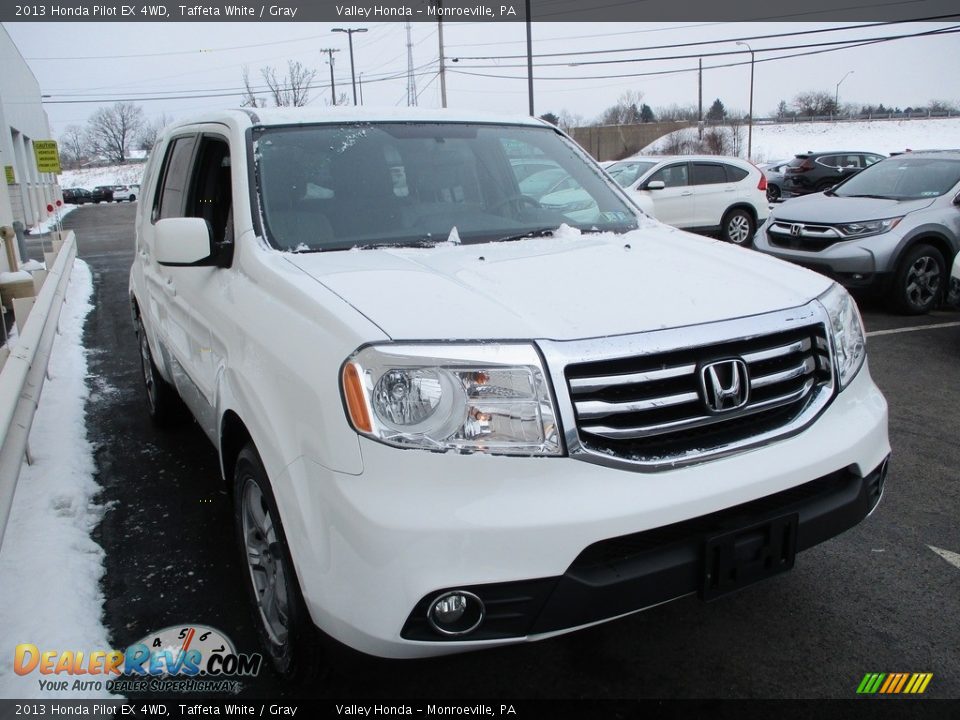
[{"x": 23, "y": 373}]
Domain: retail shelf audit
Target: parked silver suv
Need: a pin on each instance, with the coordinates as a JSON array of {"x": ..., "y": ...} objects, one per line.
[{"x": 893, "y": 228}]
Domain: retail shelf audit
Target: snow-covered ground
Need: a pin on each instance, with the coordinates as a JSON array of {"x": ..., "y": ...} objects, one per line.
[
  {"x": 782, "y": 142},
  {"x": 50, "y": 568},
  {"x": 90, "y": 178}
]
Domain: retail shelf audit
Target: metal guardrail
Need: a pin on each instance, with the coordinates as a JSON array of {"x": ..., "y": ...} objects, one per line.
[{"x": 21, "y": 380}]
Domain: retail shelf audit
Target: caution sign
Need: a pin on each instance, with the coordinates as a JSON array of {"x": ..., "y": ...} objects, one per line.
[
  {"x": 11, "y": 175},
  {"x": 48, "y": 159}
]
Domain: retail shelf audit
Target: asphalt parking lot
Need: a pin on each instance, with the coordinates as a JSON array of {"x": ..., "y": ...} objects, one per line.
[{"x": 876, "y": 599}]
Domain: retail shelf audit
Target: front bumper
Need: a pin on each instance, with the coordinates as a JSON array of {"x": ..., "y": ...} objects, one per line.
[
  {"x": 855, "y": 264},
  {"x": 370, "y": 549},
  {"x": 621, "y": 575}
]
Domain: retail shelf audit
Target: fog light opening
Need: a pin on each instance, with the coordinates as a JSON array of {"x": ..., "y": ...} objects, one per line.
[{"x": 455, "y": 613}]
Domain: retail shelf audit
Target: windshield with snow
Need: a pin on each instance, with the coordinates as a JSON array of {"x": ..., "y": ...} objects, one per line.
[
  {"x": 335, "y": 187},
  {"x": 903, "y": 178}
]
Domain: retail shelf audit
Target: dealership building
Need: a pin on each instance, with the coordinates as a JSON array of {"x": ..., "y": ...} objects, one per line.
[{"x": 24, "y": 192}]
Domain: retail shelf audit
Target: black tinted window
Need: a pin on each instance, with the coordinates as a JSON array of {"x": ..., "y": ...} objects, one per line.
[
  {"x": 708, "y": 174},
  {"x": 175, "y": 175},
  {"x": 735, "y": 174}
]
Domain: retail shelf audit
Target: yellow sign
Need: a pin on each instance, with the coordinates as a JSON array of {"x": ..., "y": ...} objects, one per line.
[
  {"x": 48, "y": 159},
  {"x": 11, "y": 176}
]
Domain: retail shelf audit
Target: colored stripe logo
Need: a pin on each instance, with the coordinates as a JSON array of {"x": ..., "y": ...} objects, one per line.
[{"x": 894, "y": 683}]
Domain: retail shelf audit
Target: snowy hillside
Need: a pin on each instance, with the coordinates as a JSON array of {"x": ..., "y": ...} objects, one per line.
[
  {"x": 776, "y": 142},
  {"x": 89, "y": 178}
]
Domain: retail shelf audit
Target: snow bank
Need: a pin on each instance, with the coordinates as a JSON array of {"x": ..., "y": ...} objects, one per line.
[
  {"x": 50, "y": 568},
  {"x": 51, "y": 223},
  {"x": 782, "y": 142},
  {"x": 90, "y": 178}
]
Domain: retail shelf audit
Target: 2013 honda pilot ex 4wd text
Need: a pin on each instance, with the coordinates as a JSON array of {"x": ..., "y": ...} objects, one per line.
[{"x": 453, "y": 418}]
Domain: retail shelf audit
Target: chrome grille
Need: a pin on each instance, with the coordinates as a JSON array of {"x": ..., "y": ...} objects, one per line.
[
  {"x": 651, "y": 408},
  {"x": 802, "y": 236}
]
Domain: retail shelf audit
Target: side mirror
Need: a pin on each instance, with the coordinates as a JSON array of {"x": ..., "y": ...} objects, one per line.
[
  {"x": 184, "y": 242},
  {"x": 654, "y": 185}
]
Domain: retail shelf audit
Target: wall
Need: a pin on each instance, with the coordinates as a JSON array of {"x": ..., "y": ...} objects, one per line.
[
  {"x": 22, "y": 120},
  {"x": 615, "y": 142}
]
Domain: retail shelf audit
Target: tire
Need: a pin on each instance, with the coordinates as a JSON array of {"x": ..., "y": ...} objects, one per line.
[
  {"x": 163, "y": 403},
  {"x": 738, "y": 227},
  {"x": 773, "y": 193},
  {"x": 919, "y": 281},
  {"x": 286, "y": 632}
]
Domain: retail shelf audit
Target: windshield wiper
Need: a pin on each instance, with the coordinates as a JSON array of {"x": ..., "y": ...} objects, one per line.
[
  {"x": 876, "y": 197},
  {"x": 536, "y": 232}
]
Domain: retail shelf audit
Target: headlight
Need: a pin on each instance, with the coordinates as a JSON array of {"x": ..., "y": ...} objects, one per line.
[
  {"x": 846, "y": 327},
  {"x": 470, "y": 398},
  {"x": 869, "y": 227}
]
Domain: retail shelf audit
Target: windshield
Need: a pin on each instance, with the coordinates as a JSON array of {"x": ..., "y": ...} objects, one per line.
[
  {"x": 334, "y": 187},
  {"x": 904, "y": 178},
  {"x": 626, "y": 173}
]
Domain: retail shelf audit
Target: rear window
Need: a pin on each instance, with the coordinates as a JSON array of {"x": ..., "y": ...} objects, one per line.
[{"x": 735, "y": 174}]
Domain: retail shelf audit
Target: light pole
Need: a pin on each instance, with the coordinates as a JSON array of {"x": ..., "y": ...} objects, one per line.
[
  {"x": 353, "y": 77},
  {"x": 836, "y": 98},
  {"x": 750, "y": 122}
]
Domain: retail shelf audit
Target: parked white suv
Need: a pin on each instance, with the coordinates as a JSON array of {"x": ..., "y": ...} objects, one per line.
[
  {"x": 452, "y": 418},
  {"x": 700, "y": 193}
]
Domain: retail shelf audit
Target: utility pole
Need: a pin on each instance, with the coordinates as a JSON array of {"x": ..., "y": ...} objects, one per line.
[
  {"x": 529, "y": 60},
  {"x": 836, "y": 98},
  {"x": 353, "y": 76},
  {"x": 411, "y": 80},
  {"x": 700, "y": 100},
  {"x": 443, "y": 69},
  {"x": 750, "y": 125},
  {"x": 333, "y": 87}
]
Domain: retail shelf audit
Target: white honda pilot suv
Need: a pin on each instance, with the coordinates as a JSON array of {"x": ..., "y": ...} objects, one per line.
[{"x": 454, "y": 418}]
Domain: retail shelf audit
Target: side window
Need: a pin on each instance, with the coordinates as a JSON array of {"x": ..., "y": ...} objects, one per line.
[
  {"x": 708, "y": 174},
  {"x": 176, "y": 172},
  {"x": 869, "y": 160},
  {"x": 851, "y": 161},
  {"x": 735, "y": 174},
  {"x": 210, "y": 195},
  {"x": 831, "y": 161},
  {"x": 672, "y": 175}
]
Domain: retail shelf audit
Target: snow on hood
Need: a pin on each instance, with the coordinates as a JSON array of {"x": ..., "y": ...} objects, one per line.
[
  {"x": 564, "y": 287},
  {"x": 829, "y": 209}
]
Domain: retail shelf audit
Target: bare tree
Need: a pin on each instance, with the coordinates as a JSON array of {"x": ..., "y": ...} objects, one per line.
[
  {"x": 735, "y": 124},
  {"x": 250, "y": 98},
  {"x": 73, "y": 146},
  {"x": 291, "y": 90},
  {"x": 111, "y": 130},
  {"x": 676, "y": 144},
  {"x": 677, "y": 112},
  {"x": 715, "y": 141},
  {"x": 626, "y": 111},
  {"x": 813, "y": 103},
  {"x": 151, "y": 131},
  {"x": 569, "y": 121}
]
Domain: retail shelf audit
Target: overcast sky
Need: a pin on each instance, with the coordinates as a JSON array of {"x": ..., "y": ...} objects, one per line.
[{"x": 110, "y": 61}]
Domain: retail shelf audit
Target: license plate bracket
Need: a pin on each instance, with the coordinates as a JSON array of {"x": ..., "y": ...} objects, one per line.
[{"x": 741, "y": 557}]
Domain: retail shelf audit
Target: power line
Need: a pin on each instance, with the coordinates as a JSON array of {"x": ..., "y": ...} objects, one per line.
[
  {"x": 855, "y": 44},
  {"x": 796, "y": 33},
  {"x": 688, "y": 56}
]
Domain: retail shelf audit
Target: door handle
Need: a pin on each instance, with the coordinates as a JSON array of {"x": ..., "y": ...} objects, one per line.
[{"x": 685, "y": 194}]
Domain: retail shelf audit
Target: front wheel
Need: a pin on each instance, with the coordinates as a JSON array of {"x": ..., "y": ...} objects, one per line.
[
  {"x": 163, "y": 403},
  {"x": 773, "y": 193},
  {"x": 738, "y": 227},
  {"x": 281, "y": 617},
  {"x": 919, "y": 280}
]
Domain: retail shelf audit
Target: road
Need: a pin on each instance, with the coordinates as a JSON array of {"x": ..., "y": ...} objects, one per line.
[{"x": 875, "y": 599}]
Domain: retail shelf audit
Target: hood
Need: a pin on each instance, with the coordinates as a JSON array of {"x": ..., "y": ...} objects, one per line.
[
  {"x": 832, "y": 209},
  {"x": 565, "y": 287}
]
